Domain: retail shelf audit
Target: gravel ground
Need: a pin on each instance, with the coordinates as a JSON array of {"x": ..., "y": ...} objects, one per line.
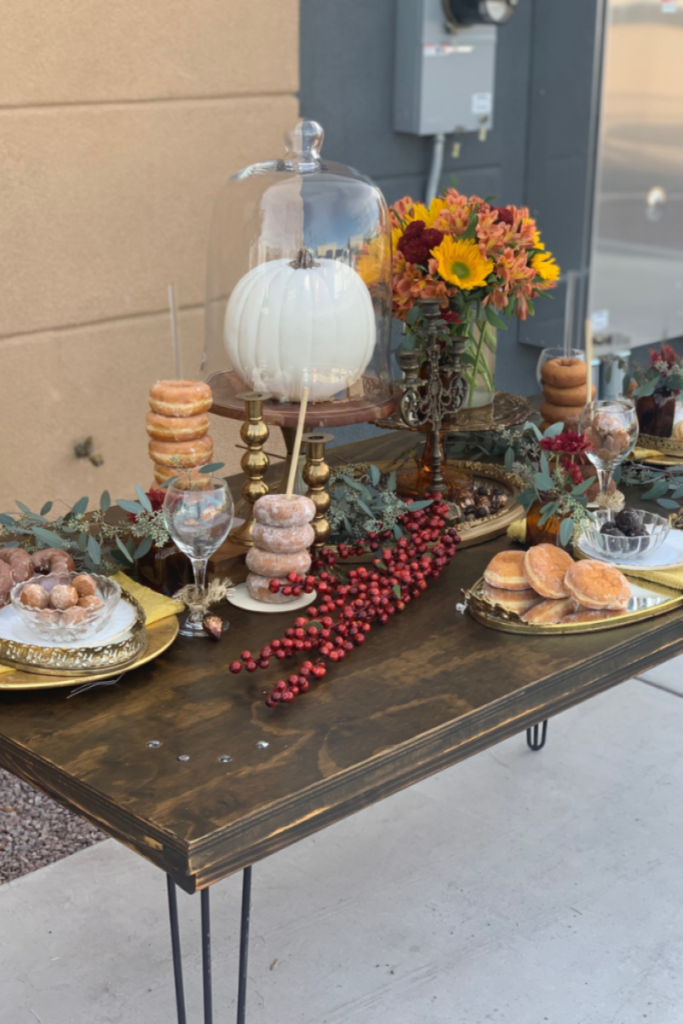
[{"x": 35, "y": 831}]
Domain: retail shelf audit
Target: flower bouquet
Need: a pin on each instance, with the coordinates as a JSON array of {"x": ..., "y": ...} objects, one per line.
[
  {"x": 483, "y": 262},
  {"x": 658, "y": 386}
]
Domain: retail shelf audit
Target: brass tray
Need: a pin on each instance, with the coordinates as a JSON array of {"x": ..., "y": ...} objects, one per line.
[
  {"x": 474, "y": 531},
  {"x": 160, "y": 636},
  {"x": 648, "y": 600},
  {"x": 505, "y": 411},
  {"x": 79, "y": 661},
  {"x": 668, "y": 446}
]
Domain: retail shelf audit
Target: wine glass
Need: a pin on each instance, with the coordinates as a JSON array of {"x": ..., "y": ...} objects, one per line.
[
  {"x": 611, "y": 425},
  {"x": 556, "y": 353},
  {"x": 198, "y": 512}
]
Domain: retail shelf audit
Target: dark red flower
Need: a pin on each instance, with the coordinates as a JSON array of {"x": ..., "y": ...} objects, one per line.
[
  {"x": 416, "y": 244},
  {"x": 450, "y": 316},
  {"x": 568, "y": 443},
  {"x": 573, "y": 470},
  {"x": 504, "y": 214},
  {"x": 416, "y": 227}
]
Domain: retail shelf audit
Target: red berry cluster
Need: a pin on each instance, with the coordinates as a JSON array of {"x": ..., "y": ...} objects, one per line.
[
  {"x": 367, "y": 596},
  {"x": 295, "y": 585}
]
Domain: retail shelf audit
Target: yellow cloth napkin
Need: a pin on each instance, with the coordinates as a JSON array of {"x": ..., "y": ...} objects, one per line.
[
  {"x": 640, "y": 454},
  {"x": 156, "y": 606},
  {"x": 517, "y": 531}
]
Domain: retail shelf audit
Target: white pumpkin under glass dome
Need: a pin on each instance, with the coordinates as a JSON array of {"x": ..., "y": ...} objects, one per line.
[{"x": 299, "y": 282}]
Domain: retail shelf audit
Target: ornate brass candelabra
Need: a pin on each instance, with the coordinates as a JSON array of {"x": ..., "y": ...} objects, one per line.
[
  {"x": 316, "y": 474},
  {"x": 254, "y": 432},
  {"x": 432, "y": 392}
]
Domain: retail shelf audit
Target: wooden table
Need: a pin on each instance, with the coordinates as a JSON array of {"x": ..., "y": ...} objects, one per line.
[{"x": 430, "y": 688}]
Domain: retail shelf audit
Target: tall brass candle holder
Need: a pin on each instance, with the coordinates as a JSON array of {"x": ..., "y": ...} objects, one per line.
[
  {"x": 316, "y": 474},
  {"x": 254, "y": 432},
  {"x": 432, "y": 392}
]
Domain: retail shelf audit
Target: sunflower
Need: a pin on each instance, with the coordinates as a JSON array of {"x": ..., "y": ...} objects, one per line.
[
  {"x": 462, "y": 264},
  {"x": 538, "y": 244},
  {"x": 429, "y": 216},
  {"x": 545, "y": 266}
]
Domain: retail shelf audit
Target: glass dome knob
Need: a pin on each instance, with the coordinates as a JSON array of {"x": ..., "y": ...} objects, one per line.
[{"x": 304, "y": 143}]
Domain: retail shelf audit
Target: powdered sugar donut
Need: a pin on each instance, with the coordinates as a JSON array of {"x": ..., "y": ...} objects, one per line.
[
  {"x": 52, "y": 560},
  {"x": 258, "y": 587},
  {"x": 279, "y": 510},
  {"x": 283, "y": 539},
  {"x": 271, "y": 565},
  {"x": 6, "y": 584},
  {"x": 63, "y": 596},
  {"x": 19, "y": 563},
  {"x": 35, "y": 596}
]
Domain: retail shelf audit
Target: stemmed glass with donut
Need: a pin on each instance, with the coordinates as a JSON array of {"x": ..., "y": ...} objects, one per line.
[
  {"x": 198, "y": 512},
  {"x": 611, "y": 425}
]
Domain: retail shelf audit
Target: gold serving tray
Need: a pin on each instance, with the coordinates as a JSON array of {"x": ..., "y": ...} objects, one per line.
[
  {"x": 79, "y": 660},
  {"x": 649, "y": 600},
  {"x": 668, "y": 446},
  {"x": 160, "y": 636}
]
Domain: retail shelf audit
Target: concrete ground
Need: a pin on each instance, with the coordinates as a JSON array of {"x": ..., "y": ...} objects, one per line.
[{"x": 514, "y": 888}]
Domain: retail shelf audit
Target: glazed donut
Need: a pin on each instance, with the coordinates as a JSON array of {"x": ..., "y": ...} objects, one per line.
[
  {"x": 90, "y": 601},
  {"x": 52, "y": 560},
  {"x": 259, "y": 590},
  {"x": 181, "y": 454},
  {"x": 200, "y": 482},
  {"x": 19, "y": 563},
  {"x": 283, "y": 539},
  {"x": 180, "y": 397},
  {"x": 35, "y": 596},
  {"x": 279, "y": 510},
  {"x": 560, "y": 413},
  {"x": 177, "y": 428},
  {"x": 271, "y": 565},
  {"x": 567, "y": 396},
  {"x": 6, "y": 584},
  {"x": 73, "y": 616},
  {"x": 564, "y": 373}
]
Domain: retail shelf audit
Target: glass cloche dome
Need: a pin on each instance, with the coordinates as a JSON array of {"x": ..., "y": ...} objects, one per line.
[{"x": 299, "y": 283}]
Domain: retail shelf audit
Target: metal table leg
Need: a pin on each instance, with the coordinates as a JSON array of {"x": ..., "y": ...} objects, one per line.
[
  {"x": 175, "y": 944},
  {"x": 244, "y": 947},
  {"x": 534, "y": 741},
  {"x": 206, "y": 951}
]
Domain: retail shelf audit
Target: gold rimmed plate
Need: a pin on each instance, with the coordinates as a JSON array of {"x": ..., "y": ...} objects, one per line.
[
  {"x": 118, "y": 648},
  {"x": 647, "y": 601},
  {"x": 159, "y": 637}
]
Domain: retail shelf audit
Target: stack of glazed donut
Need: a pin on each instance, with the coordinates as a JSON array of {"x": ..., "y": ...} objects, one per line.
[
  {"x": 16, "y": 566},
  {"x": 178, "y": 426},
  {"x": 564, "y": 391},
  {"x": 282, "y": 536}
]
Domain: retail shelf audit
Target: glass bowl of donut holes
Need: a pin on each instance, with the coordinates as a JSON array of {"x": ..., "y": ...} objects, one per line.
[
  {"x": 66, "y": 607},
  {"x": 625, "y": 535}
]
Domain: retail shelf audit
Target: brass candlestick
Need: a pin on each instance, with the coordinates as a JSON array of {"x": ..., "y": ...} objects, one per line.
[
  {"x": 428, "y": 401},
  {"x": 316, "y": 474},
  {"x": 254, "y": 432}
]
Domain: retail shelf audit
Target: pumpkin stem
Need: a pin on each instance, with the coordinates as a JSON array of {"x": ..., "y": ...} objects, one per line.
[{"x": 304, "y": 260}]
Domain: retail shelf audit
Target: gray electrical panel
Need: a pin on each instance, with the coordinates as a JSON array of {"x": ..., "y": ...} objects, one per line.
[{"x": 444, "y": 79}]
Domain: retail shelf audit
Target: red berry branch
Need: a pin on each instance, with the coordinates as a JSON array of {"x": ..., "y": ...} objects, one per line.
[{"x": 350, "y": 606}]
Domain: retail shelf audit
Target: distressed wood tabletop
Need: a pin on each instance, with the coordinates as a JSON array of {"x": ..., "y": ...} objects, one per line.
[{"x": 428, "y": 689}]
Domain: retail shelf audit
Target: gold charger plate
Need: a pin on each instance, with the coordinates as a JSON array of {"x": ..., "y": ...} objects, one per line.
[
  {"x": 648, "y": 600},
  {"x": 55, "y": 661},
  {"x": 160, "y": 636}
]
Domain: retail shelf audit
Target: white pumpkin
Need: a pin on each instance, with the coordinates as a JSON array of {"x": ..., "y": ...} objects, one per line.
[{"x": 289, "y": 326}]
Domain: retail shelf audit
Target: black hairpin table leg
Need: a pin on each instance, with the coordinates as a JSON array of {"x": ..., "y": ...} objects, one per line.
[
  {"x": 244, "y": 947},
  {"x": 175, "y": 945},
  {"x": 536, "y": 736},
  {"x": 206, "y": 951}
]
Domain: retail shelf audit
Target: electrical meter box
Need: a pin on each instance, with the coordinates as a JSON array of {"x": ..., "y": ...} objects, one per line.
[{"x": 444, "y": 78}]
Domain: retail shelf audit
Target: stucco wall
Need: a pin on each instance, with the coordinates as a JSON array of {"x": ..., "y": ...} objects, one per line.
[{"x": 118, "y": 125}]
